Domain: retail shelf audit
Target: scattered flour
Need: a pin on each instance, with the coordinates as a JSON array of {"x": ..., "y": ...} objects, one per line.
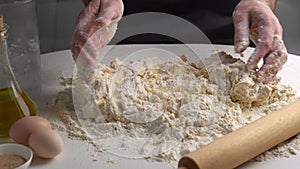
[{"x": 163, "y": 111}]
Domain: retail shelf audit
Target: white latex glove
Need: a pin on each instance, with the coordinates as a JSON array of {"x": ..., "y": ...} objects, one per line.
[
  {"x": 98, "y": 15},
  {"x": 255, "y": 20}
]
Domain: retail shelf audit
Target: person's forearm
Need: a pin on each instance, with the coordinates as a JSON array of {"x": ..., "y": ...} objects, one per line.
[
  {"x": 86, "y": 2},
  {"x": 271, "y": 3}
]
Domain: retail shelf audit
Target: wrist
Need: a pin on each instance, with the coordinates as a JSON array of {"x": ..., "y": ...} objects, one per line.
[
  {"x": 270, "y": 3},
  {"x": 86, "y": 2}
]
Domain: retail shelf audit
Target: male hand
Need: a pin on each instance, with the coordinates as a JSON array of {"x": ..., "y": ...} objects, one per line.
[
  {"x": 95, "y": 27},
  {"x": 255, "y": 20}
]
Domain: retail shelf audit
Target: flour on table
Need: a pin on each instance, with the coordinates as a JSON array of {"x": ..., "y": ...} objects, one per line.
[{"x": 162, "y": 111}]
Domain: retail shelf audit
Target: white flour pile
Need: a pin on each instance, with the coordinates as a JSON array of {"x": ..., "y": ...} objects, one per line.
[{"x": 163, "y": 111}]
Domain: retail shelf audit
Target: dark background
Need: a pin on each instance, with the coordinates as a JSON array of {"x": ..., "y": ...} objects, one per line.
[{"x": 57, "y": 17}]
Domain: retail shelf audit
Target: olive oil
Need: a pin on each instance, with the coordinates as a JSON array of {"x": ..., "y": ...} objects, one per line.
[
  {"x": 14, "y": 102},
  {"x": 13, "y": 106}
]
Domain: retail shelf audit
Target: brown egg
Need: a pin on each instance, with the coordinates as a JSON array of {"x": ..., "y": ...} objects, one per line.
[
  {"x": 21, "y": 130},
  {"x": 46, "y": 143}
]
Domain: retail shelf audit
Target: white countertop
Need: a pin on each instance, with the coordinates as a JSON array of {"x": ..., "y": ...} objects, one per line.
[{"x": 79, "y": 155}]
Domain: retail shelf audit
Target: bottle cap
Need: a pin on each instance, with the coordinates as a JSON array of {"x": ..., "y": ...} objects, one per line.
[{"x": 1, "y": 21}]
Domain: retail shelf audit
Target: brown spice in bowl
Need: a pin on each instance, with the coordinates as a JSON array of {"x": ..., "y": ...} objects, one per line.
[{"x": 10, "y": 161}]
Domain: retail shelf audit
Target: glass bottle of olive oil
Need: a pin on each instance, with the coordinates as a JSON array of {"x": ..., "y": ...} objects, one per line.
[{"x": 14, "y": 102}]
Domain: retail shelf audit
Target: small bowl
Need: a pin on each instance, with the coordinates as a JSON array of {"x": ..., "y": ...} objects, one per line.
[{"x": 18, "y": 149}]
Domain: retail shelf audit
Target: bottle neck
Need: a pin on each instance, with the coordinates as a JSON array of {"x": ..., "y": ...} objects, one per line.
[
  {"x": 6, "y": 70},
  {"x": 3, "y": 32},
  {"x": 4, "y": 62}
]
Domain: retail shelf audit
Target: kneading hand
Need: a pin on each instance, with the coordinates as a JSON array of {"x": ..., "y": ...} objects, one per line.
[
  {"x": 255, "y": 20},
  {"x": 98, "y": 16}
]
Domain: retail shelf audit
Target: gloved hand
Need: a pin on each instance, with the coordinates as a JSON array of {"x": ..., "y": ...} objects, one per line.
[
  {"x": 101, "y": 17},
  {"x": 255, "y": 20}
]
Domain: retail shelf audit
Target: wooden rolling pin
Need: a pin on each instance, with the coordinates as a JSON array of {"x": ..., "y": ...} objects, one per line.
[{"x": 247, "y": 142}]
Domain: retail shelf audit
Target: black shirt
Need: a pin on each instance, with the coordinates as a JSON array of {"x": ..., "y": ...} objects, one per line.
[{"x": 213, "y": 17}]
